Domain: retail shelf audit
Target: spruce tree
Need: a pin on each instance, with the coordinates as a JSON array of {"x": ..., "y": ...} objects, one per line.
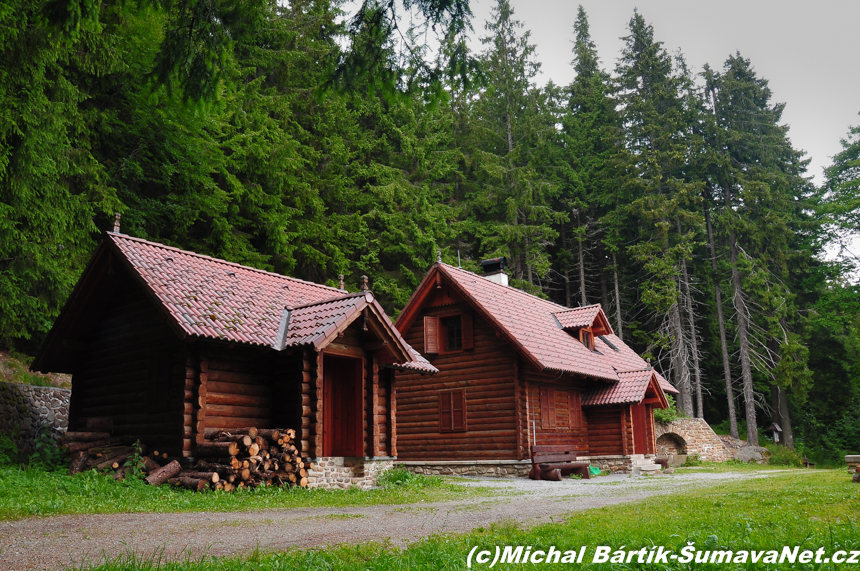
[{"x": 656, "y": 121}]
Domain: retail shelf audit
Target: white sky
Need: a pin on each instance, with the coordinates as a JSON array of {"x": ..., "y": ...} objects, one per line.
[{"x": 808, "y": 51}]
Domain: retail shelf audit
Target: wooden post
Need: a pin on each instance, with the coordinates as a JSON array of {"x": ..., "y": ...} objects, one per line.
[
  {"x": 374, "y": 400},
  {"x": 624, "y": 430},
  {"x": 318, "y": 417}
]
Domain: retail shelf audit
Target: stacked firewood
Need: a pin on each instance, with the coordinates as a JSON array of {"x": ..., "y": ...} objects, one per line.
[
  {"x": 244, "y": 458},
  {"x": 251, "y": 457}
]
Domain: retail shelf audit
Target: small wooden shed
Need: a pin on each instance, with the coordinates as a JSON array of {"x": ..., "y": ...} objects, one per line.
[
  {"x": 174, "y": 347},
  {"x": 516, "y": 370}
]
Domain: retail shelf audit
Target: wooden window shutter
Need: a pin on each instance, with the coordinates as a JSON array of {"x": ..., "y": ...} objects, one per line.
[
  {"x": 468, "y": 336},
  {"x": 445, "y": 412},
  {"x": 458, "y": 410},
  {"x": 431, "y": 334},
  {"x": 547, "y": 407},
  {"x": 574, "y": 404}
]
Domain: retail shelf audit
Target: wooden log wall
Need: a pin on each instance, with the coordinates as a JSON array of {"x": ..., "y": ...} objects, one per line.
[
  {"x": 604, "y": 430},
  {"x": 565, "y": 389},
  {"x": 309, "y": 404},
  {"x": 487, "y": 373},
  {"x": 235, "y": 388},
  {"x": 132, "y": 370}
]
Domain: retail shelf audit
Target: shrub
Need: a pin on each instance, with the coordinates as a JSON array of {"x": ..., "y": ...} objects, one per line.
[
  {"x": 8, "y": 450},
  {"x": 47, "y": 452},
  {"x": 693, "y": 460},
  {"x": 783, "y": 456},
  {"x": 407, "y": 479},
  {"x": 667, "y": 414}
]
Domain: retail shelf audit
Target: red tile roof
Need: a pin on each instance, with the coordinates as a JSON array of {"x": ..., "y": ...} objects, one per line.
[
  {"x": 532, "y": 325},
  {"x": 630, "y": 388},
  {"x": 578, "y": 316},
  {"x": 216, "y": 299}
]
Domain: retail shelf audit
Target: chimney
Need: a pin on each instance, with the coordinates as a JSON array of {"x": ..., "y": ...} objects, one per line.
[{"x": 494, "y": 270}]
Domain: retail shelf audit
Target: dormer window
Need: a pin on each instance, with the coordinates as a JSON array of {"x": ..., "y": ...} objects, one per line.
[{"x": 587, "y": 338}]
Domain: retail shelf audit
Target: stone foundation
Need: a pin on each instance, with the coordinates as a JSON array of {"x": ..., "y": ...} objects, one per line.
[
  {"x": 491, "y": 468},
  {"x": 342, "y": 473},
  {"x": 26, "y": 411},
  {"x": 614, "y": 464},
  {"x": 693, "y": 435}
]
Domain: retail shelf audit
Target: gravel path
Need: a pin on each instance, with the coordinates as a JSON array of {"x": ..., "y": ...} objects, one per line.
[{"x": 60, "y": 541}]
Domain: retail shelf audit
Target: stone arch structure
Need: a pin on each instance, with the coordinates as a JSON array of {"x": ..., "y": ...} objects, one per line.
[
  {"x": 695, "y": 435},
  {"x": 671, "y": 443}
]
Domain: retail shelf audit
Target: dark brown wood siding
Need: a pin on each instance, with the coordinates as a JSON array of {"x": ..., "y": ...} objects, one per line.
[
  {"x": 560, "y": 426},
  {"x": 239, "y": 388},
  {"x": 132, "y": 369},
  {"x": 605, "y": 430},
  {"x": 487, "y": 373}
]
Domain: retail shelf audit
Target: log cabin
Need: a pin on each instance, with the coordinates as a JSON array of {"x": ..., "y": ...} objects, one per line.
[
  {"x": 516, "y": 370},
  {"x": 173, "y": 347}
]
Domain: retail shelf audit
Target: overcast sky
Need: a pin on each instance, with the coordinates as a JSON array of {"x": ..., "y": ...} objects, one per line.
[{"x": 808, "y": 51}]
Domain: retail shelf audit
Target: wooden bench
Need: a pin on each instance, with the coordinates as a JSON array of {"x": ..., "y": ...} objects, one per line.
[{"x": 553, "y": 462}]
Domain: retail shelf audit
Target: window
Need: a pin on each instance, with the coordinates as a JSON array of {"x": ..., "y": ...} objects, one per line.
[
  {"x": 452, "y": 333},
  {"x": 547, "y": 408},
  {"x": 587, "y": 338},
  {"x": 448, "y": 333},
  {"x": 452, "y": 411},
  {"x": 574, "y": 405}
]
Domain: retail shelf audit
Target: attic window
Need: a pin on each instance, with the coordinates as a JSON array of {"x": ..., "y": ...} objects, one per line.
[
  {"x": 449, "y": 333},
  {"x": 587, "y": 338},
  {"x": 452, "y": 333}
]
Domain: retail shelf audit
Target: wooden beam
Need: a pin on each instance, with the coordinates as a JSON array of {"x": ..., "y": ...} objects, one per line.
[{"x": 374, "y": 345}]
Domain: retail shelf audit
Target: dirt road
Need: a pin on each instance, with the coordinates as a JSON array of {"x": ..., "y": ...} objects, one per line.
[{"x": 59, "y": 542}]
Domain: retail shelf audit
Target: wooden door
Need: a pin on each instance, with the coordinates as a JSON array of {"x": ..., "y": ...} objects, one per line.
[
  {"x": 640, "y": 433},
  {"x": 342, "y": 422}
]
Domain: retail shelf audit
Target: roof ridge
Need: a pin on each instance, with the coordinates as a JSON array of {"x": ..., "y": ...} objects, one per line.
[
  {"x": 329, "y": 300},
  {"x": 216, "y": 260},
  {"x": 581, "y": 307},
  {"x": 508, "y": 288}
]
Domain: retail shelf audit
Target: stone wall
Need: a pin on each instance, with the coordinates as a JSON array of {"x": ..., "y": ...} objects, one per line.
[
  {"x": 26, "y": 410},
  {"x": 696, "y": 435},
  {"x": 492, "y": 468},
  {"x": 338, "y": 472}
]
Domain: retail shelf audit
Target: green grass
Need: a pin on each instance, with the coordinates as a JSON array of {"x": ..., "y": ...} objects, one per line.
[
  {"x": 730, "y": 466},
  {"x": 36, "y": 492},
  {"x": 793, "y": 507}
]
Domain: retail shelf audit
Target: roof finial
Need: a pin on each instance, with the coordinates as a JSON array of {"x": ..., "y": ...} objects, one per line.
[
  {"x": 438, "y": 256},
  {"x": 364, "y": 286},
  {"x": 116, "y": 218},
  {"x": 340, "y": 282}
]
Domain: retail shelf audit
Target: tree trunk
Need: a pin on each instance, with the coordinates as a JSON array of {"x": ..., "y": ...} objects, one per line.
[
  {"x": 679, "y": 358},
  {"x": 604, "y": 290},
  {"x": 743, "y": 340},
  {"x": 787, "y": 432},
  {"x": 620, "y": 332},
  {"x": 579, "y": 241},
  {"x": 727, "y": 371},
  {"x": 694, "y": 340}
]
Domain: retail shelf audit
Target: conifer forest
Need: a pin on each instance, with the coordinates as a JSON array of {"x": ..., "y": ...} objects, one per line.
[{"x": 301, "y": 139}]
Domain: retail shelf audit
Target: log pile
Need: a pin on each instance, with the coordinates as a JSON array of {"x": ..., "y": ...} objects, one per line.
[
  {"x": 244, "y": 458},
  {"x": 247, "y": 458}
]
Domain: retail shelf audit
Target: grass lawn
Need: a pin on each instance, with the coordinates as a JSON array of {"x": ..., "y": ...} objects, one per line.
[
  {"x": 36, "y": 492},
  {"x": 810, "y": 509}
]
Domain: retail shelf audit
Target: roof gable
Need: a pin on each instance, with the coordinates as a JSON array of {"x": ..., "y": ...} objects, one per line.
[
  {"x": 631, "y": 388},
  {"x": 208, "y": 298},
  {"x": 532, "y": 325}
]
